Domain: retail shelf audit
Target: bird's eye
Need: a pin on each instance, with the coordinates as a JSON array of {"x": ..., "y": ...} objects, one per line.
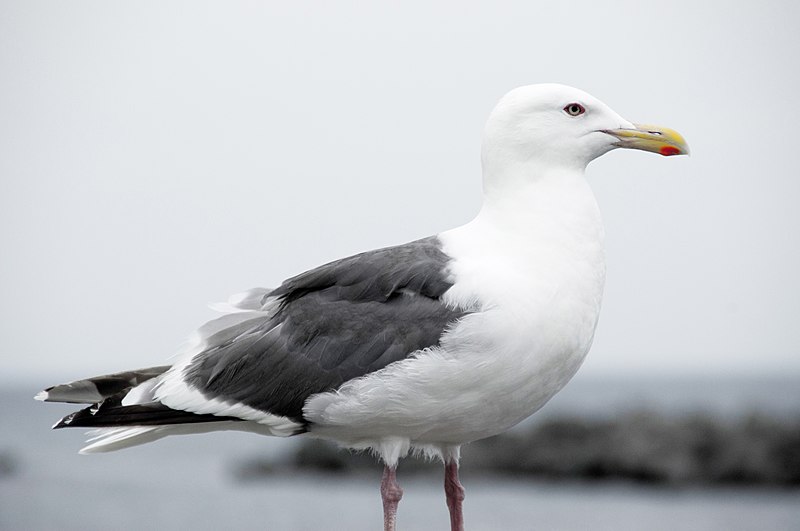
[{"x": 574, "y": 109}]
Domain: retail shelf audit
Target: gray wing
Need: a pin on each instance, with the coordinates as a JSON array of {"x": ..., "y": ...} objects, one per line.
[{"x": 334, "y": 323}]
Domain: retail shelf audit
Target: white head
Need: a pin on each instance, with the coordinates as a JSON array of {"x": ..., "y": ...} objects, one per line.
[{"x": 537, "y": 128}]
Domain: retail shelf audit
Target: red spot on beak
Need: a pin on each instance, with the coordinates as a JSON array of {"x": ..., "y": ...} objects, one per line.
[{"x": 669, "y": 150}]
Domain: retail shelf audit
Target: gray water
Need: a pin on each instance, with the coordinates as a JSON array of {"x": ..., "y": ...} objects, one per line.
[{"x": 188, "y": 482}]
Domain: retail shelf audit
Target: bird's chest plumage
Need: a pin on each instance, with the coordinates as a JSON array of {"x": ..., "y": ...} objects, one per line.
[
  {"x": 537, "y": 297},
  {"x": 522, "y": 350}
]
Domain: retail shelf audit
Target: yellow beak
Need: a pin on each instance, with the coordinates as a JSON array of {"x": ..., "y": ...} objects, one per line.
[{"x": 651, "y": 138}]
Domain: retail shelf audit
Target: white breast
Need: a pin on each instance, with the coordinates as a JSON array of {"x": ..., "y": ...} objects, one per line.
[{"x": 539, "y": 272}]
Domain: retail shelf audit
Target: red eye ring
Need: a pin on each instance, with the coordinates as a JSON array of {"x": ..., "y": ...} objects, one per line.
[{"x": 574, "y": 109}]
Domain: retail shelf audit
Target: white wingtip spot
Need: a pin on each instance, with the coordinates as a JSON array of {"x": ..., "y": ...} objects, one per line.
[{"x": 41, "y": 396}]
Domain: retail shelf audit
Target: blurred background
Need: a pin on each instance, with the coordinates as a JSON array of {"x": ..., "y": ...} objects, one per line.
[{"x": 158, "y": 156}]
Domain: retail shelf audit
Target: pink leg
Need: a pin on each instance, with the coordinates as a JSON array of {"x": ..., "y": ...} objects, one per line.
[
  {"x": 455, "y": 495},
  {"x": 391, "y": 493}
]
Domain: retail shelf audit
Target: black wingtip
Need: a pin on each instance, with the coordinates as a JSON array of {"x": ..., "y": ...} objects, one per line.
[
  {"x": 111, "y": 414},
  {"x": 66, "y": 422},
  {"x": 63, "y": 423}
]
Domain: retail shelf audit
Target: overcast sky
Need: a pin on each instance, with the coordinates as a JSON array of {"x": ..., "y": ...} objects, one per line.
[{"x": 158, "y": 156}]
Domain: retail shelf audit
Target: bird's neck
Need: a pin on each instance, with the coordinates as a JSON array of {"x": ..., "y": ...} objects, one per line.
[
  {"x": 539, "y": 240},
  {"x": 541, "y": 203},
  {"x": 548, "y": 227}
]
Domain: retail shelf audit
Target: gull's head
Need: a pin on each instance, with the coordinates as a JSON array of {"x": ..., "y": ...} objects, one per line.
[{"x": 556, "y": 126}]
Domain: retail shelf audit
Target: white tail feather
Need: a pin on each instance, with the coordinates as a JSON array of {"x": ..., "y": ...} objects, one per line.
[{"x": 112, "y": 439}]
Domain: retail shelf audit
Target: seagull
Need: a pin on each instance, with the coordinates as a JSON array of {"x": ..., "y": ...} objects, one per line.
[{"x": 418, "y": 348}]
